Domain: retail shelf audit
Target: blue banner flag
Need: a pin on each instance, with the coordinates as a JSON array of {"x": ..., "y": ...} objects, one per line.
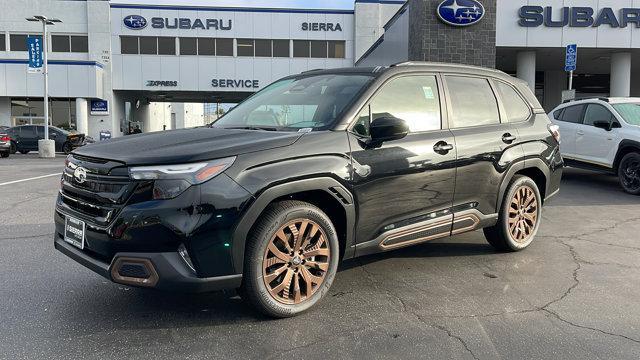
[{"x": 34, "y": 48}]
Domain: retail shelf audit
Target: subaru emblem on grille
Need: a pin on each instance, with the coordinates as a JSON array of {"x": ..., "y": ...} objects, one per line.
[{"x": 80, "y": 175}]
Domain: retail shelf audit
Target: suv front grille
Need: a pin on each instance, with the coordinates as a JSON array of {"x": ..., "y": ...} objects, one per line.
[{"x": 99, "y": 193}]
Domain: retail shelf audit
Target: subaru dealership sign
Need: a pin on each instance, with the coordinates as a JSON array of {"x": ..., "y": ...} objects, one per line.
[
  {"x": 460, "y": 12},
  {"x": 99, "y": 107},
  {"x": 137, "y": 22},
  {"x": 578, "y": 16}
]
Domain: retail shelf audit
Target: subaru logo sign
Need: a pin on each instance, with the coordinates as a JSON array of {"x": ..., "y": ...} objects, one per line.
[
  {"x": 135, "y": 22},
  {"x": 460, "y": 12}
]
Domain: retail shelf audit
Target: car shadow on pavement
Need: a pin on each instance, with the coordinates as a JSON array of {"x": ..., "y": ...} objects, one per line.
[{"x": 591, "y": 188}]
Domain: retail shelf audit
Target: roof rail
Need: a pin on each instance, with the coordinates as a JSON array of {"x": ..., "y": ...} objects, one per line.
[
  {"x": 444, "y": 64},
  {"x": 312, "y": 70}
]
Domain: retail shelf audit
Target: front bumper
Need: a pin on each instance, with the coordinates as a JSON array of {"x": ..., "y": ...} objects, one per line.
[{"x": 166, "y": 270}]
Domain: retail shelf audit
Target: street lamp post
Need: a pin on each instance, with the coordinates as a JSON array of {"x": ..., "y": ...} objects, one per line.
[{"x": 46, "y": 147}]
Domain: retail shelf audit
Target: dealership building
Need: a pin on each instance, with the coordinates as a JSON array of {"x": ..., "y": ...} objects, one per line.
[{"x": 118, "y": 64}]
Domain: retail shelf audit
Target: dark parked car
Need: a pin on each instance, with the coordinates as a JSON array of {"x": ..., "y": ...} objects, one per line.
[
  {"x": 25, "y": 138},
  {"x": 5, "y": 144},
  {"x": 314, "y": 169}
]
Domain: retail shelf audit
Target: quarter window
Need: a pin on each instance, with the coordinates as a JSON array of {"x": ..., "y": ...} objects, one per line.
[
  {"x": 473, "y": 102},
  {"x": 573, "y": 114},
  {"x": 413, "y": 99},
  {"x": 596, "y": 112},
  {"x": 516, "y": 109}
]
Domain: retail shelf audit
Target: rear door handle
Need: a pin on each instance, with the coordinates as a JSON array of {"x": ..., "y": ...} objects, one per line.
[
  {"x": 442, "y": 147},
  {"x": 580, "y": 132},
  {"x": 508, "y": 138}
]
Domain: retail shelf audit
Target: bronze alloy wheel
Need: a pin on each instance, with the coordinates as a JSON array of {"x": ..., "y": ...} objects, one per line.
[
  {"x": 523, "y": 214},
  {"x": 296, "y": 261}
]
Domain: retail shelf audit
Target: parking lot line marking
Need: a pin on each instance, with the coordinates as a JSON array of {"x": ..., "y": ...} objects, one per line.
[{"x": 29, "y": 179}]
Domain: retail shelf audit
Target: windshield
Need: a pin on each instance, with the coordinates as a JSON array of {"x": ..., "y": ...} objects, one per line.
[
  {"x": 309, "y": 102},
  {"x": 630, "y": 112}
]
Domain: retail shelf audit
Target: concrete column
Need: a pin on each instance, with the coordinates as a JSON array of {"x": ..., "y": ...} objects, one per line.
[
  {"x": 5, "y": 111},
  {"x": 620, "y": 74},
  {"x": 526, "y": 67},
  {"x": 82, "y": 116},
  {"x": 554, "y": 82}
]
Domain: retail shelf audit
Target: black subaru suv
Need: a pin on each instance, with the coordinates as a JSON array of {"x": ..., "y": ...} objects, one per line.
[{"x": 316, "y": 168}]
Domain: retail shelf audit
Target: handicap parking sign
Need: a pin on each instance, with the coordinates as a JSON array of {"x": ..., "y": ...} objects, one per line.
[{"x": 571, "y": 58}]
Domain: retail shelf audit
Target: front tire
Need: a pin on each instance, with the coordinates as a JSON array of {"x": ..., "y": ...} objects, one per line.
[
  {"x": 519, "y": 216},
  {"x": 629, "y": 173},
  {"x": 13, "y": 148},
  {"x": 291, "y": 259}
]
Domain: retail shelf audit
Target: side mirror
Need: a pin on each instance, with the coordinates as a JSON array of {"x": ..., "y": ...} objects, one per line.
[
  {"x": 388, "y": 128},
  {"x": 605, "y": 125}
]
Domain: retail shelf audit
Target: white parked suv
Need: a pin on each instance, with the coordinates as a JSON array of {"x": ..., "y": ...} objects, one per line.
[{"x": 602, "y": 134}]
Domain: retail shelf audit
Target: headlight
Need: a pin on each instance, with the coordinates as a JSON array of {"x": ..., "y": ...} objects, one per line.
[{"x": 172, "y": 180}]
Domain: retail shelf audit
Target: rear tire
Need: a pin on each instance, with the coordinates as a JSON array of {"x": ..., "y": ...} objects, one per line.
[
  {"x": 5, "y": 154},
  {"x": 519, "y": 216},
  {"x": 291, "y": 259},
  {"x": 67, "y": 148},
  {"x": 629, "y": 173}
]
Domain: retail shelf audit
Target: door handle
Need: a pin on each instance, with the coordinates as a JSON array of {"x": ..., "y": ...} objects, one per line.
[
  {"x": 508, "y": 138},
  {"x": 580, "y": 132},
  {"x": 442, "y": 147}
]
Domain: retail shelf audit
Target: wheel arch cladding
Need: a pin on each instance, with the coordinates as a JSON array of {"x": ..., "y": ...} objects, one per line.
[
  {"x": 538, "y": 177},
  {"x": 625, "y": 147},
  {"x": 534, "y": 169},
  {"x": 325, "y": 193}
]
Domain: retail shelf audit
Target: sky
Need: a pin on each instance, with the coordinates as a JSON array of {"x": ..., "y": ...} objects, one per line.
[{"x": 295, "y": 4}]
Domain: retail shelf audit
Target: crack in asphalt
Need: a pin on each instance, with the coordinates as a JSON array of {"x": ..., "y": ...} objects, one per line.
[
  {"x": 577, "y": 260},
  {"x": 25, "y": 237},
  {"x": 405, "y": 309}
]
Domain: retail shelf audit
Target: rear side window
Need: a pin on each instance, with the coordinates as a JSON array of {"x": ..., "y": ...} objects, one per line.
[
  {"x": 572, "y": 114},
  {"x": 515, "y": 107},
  {"x": 596, "y": 112},
  {"x": 473, "y": 102}
]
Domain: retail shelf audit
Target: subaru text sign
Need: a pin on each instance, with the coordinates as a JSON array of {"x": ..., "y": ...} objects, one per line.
[
  {"x": 578, "y": 16},
  {"x": 460, "y": 12},
  {"x": 571, "y": 58},
  {"x": 34, "y": 48},
  {"x": 135, "y": 22},
  {"x": 99, "y": 107}
]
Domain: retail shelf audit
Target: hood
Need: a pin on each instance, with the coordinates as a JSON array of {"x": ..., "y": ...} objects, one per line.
[{"x": 186, "y": 145}]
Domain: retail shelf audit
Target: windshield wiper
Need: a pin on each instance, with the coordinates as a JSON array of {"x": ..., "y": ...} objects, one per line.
[{"x": 266, "y": 128}]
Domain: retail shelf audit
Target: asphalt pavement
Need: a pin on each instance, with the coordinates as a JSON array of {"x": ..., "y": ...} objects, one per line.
[{"x": 572, "y": 295}]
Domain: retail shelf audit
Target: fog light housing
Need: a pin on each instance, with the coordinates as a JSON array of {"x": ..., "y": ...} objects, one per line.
[{"x": 184, "y": 254}]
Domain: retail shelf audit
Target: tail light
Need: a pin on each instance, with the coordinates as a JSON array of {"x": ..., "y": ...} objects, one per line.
[
  {"x": 555, "y": 132},
  {"x": 5, "y": 138}
]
